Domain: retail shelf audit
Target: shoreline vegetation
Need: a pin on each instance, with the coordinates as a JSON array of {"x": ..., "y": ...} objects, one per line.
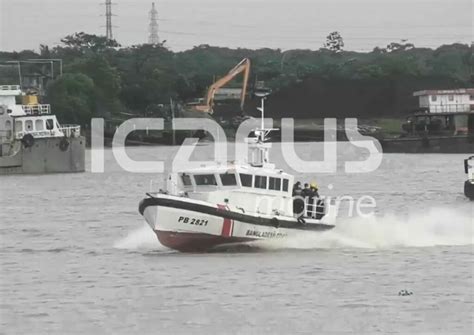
[{"x": 102, "y": 79}]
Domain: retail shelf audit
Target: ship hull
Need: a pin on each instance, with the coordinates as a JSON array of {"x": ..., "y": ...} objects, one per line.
[
  {"x": 188, "y": 226},
  {"x": 46, "y": 155},
  {"x": 430, "y": 144}
]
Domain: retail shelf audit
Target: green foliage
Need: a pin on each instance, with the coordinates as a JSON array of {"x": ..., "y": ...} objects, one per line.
[
  {"x": 82, "y": 41},
  {"x": 114, "y": 79},
  {"x": 106, "y": 79},
  {"x": 72, "y": 97}
]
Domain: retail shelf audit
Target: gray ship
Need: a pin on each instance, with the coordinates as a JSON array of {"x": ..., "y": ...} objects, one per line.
[{"x": 31, "y": 139}]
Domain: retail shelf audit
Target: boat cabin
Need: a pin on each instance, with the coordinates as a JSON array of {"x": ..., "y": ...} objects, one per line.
[
  {"x": 442, "y": 112},
  {"x": 258, "y": 189},
  {"x": 29, "y": 117}
]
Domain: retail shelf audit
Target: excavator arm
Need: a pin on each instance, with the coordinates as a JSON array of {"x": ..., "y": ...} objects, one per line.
[{"x": 243, "y": 66}]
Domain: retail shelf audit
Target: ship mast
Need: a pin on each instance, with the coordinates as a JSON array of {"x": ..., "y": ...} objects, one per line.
[{"x": 258, "y": 146}]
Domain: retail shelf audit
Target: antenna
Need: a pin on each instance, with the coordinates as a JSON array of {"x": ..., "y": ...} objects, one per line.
[
  {"x": 108, "y": 19},
  {"x": 153, "y": 38}
]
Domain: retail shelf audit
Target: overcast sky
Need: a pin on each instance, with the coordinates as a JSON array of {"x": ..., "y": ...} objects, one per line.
[{"x": 285, "y": 24}]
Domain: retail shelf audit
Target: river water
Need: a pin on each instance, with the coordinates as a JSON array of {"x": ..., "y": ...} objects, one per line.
[{"x": 76, "y": 257}]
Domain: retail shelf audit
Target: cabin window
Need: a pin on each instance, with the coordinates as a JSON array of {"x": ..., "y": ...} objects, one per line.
[
  {"x": 260, "y": 182},
  {"x": 49, "y": 124},
  {"x": 8, "y": 128},
  {"x": 205, "y": 179},
  {"x": 186, "y": 179},
  {"x": 451, "y": 97},
  {"x": 434, "y": 98},
  {"x": 228, "y": 179},
  {"x": 18, "y": 126},
  {"x": 285, "y": 185},
  {"x": 274, "y": 184},
  {"x": 39, "y": 125},
  {"x": 246, "y": 179},
  {"x": 29, "y": 125},
  {"x": 471, "y": 97}
]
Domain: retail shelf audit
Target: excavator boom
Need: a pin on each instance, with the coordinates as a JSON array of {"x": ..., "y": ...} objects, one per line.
[{"x": 243, "y": 66}]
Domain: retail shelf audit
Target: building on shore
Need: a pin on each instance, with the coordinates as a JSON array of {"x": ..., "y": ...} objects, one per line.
[{"x": 446, "y": 101}]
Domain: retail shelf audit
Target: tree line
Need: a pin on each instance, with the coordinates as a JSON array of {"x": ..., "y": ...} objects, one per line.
[{"x": 102, "y": 79}]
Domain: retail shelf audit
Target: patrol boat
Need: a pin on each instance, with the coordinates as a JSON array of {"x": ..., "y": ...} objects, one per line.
[
  {"x": 229, "y": 203},
  {"x": 469, "y": 183},
  {"x": 32, "y": 140}
]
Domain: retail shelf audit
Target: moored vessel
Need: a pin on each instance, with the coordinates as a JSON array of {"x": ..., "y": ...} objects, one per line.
[
  {"x": 31, "y": 139},
  {"x": 233, "y": 202},
  {"x": 443, "y": 123}
]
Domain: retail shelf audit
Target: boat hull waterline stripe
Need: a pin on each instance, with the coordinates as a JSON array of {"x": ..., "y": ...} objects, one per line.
[{"x": 232, "y": 216}]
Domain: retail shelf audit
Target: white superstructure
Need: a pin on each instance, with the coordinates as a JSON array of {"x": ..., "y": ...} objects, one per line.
[
  {"x": 29, "y": 117},
  {"x": 31, "y": 139},
  {"x": 446, "y": 101}
]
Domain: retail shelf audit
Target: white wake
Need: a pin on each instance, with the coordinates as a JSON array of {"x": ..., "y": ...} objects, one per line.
[
  {"x": 430, "y": 227},
  {"x": 142, "y": 238}
]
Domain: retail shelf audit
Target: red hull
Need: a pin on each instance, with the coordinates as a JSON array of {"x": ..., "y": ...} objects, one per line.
[{"x": 195, "y": 242}]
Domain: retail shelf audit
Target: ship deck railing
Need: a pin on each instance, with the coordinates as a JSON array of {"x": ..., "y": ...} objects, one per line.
[
  {"x": 70, "y": 130},
  {"x": 39, "y": 109},
  {"x": 314, "y": 208},
  {"x": 9, "y": 87}
]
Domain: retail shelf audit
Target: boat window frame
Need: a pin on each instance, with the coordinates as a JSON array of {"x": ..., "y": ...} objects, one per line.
[
  {"x": 49, "y": 124},
  {"x": 278, "y": 179},
  {"x": 8, "y": 129},
  {"x": 18, "y": 126},
  {"x": 29, "y": 125},
  {"x": 260, "y": 187},
  {"x": 228, "y": 174},
  {"x": 202, "y": 175},
  {"x": 246, "y": 175},
  {"x": 285, "y": 185},
  {"x": 39, "y": 122},
  {"x": 182, "y": 175}
]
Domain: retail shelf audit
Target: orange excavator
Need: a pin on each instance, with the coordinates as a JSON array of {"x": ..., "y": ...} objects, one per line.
[{"x": 207, "y": 106}]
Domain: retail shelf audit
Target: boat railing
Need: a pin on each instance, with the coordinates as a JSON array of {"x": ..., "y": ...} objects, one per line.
[
  {"x": 70, "y": 130},
  {"x": 449, "y": 108},
  {"x": 9, "y": 87},
  {"x": 39, "y": 109},
  {"x": 314, "y": 208}
]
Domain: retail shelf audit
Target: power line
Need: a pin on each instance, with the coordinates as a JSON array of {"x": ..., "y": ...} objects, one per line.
[{"x": 153, "y": 38}]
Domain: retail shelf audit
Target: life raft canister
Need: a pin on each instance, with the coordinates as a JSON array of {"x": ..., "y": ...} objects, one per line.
[
  {"x": 64, "y": 144},
  {"x": 28, "y": 140}
]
